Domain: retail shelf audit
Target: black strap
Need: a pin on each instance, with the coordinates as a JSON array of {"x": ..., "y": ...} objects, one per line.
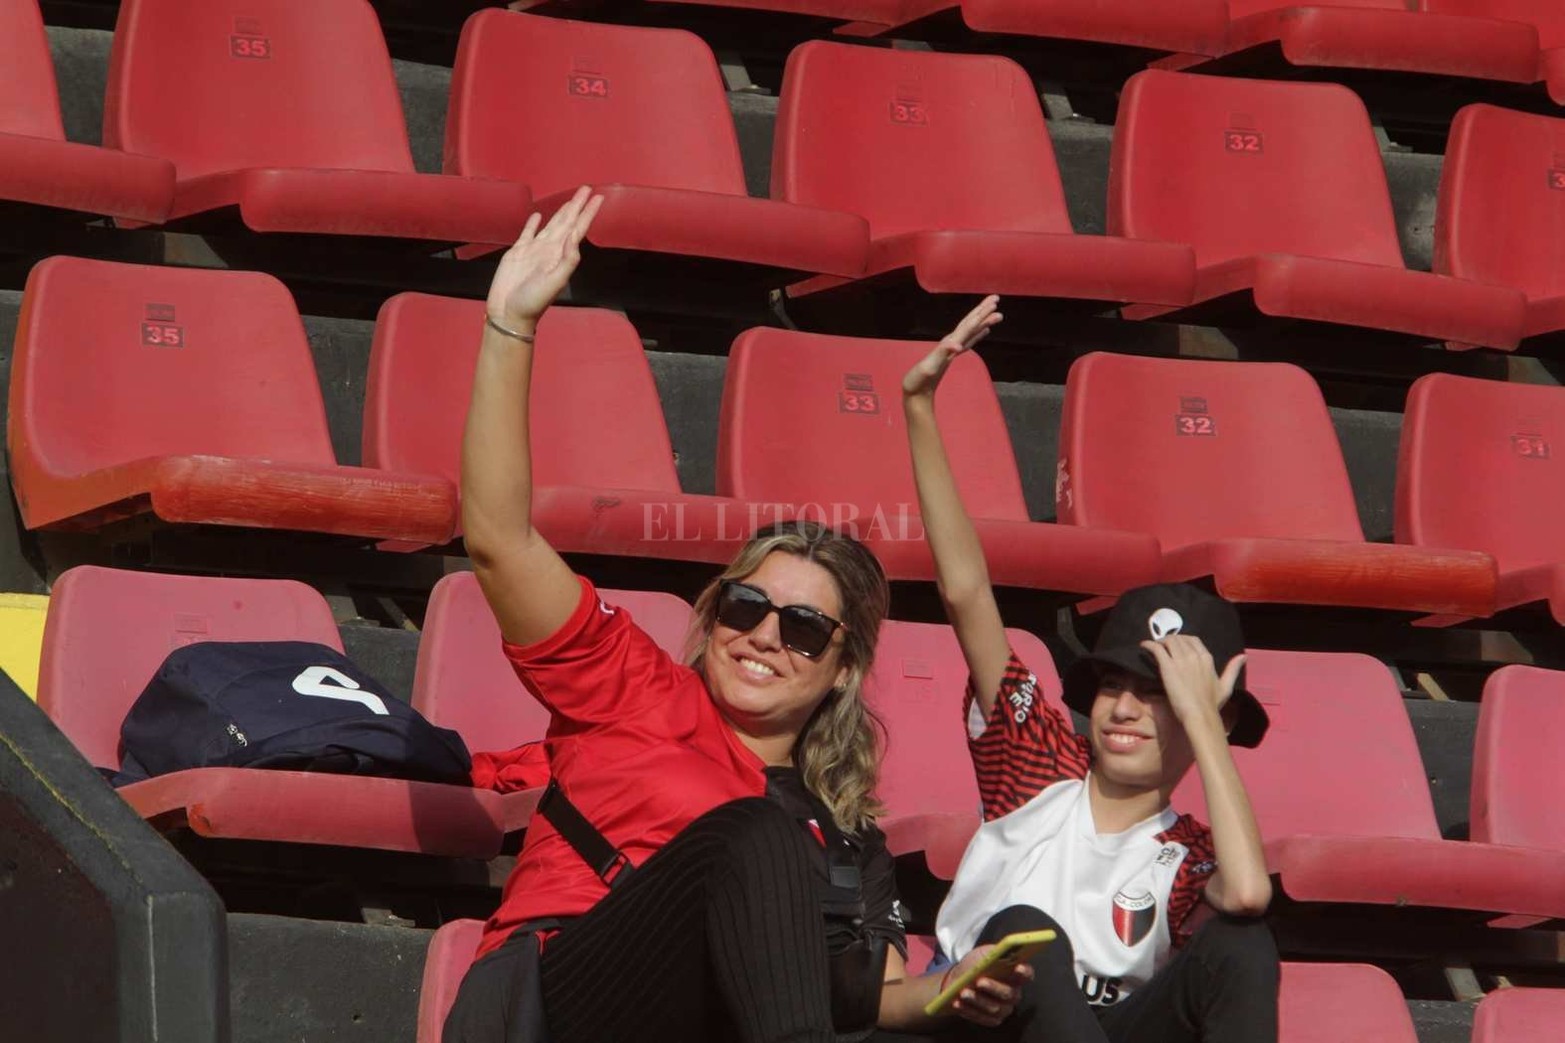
[
  {"x": 608, "y": 861},
  {"x": 841, "y": 863}
]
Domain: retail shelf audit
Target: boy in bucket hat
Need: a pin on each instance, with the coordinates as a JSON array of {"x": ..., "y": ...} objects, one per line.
[{"x": 1158, "y": 916}]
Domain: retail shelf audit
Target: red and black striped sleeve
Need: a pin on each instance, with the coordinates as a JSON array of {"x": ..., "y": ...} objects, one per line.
[
  {"x": 1184, "y": 898},
  {"x": 1026, "y": 745}
]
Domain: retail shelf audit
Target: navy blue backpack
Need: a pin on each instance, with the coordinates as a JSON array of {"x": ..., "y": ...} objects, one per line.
[{"x": 280, "y": 704}]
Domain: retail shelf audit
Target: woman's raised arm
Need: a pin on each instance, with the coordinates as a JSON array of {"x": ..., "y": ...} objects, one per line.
[{"x": 529, "y": 587}]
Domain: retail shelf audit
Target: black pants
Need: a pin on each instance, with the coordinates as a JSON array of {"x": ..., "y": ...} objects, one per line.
[
  {"x": 717, "y": 937},
  {"x": 1220, "y": 988}
]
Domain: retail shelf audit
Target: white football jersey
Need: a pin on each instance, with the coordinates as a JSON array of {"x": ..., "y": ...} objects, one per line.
[{"x": 1123, "y": 899}]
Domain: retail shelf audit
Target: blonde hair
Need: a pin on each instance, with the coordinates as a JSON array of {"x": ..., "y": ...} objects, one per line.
[{"x": 838, "y": 752}]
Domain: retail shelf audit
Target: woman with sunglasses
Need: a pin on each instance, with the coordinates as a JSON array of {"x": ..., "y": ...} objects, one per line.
[{"x": 717, "y": 873}]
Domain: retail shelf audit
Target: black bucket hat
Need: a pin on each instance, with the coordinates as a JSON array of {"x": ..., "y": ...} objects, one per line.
[{"x": 1154, "y": 613}]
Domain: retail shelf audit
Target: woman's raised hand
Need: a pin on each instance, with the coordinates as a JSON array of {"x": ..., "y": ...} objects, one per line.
[
  {"x": 539, "y": 264},
  {"x": 923, "y": 378}
]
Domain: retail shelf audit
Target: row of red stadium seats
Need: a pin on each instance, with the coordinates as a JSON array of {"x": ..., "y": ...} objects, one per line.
[
  {"x": 1518, "y": 41},
  {"x": 1318, "y": 1002},
  {"x": 191, "y": 395},
  {"x": 1369, "y": 838},
  {"x": 1229, "y": 199},
  {"x": 514, "y": 540}
]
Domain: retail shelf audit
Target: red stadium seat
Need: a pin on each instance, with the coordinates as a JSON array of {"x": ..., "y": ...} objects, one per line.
[
  {"x": 1194, "y": 26},
  {"x": 920, "y": 950},
  {"x": 1235, "y": 467},
  {"x": 450, "y": 954},
  {"x": 812, "y": 426},
  {"x": 37, "y": 164},
  {"x": 287, "y": 110},
  {"x": 1482, "y": 466},
  {"x": 1520, "y": 1016},
  {"x": 1316, "y": 1002},
  {"x": 642, "y": 115},
  {"x": 1545, "y": 16},
  {"x": 1365, "y": 831},
  {"x": 1341, "y": 1003},
  {"x": 1436, "y": 37},
  {"x": 603, "y": 468},
  {"x": 190, "y": 395},
  {"x": 1516, "y": 764},
  {"x": 1502, "y": 208},
  {"x": 1281, "y": 189},
  {"x": 464, "y": 682},
  {"x": 106, "y": 635},
  {"x": 867, "y": 17},
  {"x": 986, "y": 211},
  {"x": 926, "y": 773}
]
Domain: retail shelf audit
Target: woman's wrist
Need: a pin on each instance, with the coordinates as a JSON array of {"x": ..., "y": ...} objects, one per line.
[
  {"x": 515, "y": 328},
  {"x": 945, "y": 980}
]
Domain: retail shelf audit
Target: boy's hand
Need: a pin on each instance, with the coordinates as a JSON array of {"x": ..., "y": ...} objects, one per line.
[
  {"x": 1190, "y": 678},
  {"x": 992, "y": 998},
  {"x": 923, "y": 378}
]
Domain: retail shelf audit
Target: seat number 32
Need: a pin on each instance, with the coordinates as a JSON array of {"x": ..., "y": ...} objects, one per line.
[{"x": 1242, "y": 141}]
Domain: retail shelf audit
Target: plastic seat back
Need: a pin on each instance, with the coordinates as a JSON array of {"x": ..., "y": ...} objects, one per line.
[
  {"x": 1547, "y": 16},
  {"x": 29, "y": 99},
  {"x": 464, "y": 681},
  {"x": 1341, "y": 1003},
  {"x": 220, "y": 85},
  {"x": 109, "y": 630},
  {"x": 1481, "y": 466},
  {"x": 916, "y": 690},
  {"x": 1520, "y": 1016},
  {"x": 1328, "y": 709},
  {"x": 1517, "y": 772},
  {"x": 556, "y": 104},
  {"x": 854, "y": 121},
  {"x": 1192, "y": 451},
  {"x": 816, "y": 421},
  {"x": 596, "y": 417},
  {"x": 119, "y": 362},
  {"x": 446, "y": 961},
  {"x": 1195, "y": 26},
  {"x": 920, "y": 951},
  {"x": 1241, "y": 8},
  {"x": 1501, "y": 216},
  {"x": 1240, "y": 167}
]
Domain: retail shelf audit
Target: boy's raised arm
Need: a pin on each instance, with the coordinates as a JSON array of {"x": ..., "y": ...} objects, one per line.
[
  {"x": 960, "y": 570},
  {"x": 1196, "y": 694}
]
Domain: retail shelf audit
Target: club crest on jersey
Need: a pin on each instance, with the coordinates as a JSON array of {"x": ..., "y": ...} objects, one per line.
[
  {"x": 1134, "y": 914},
  {"x": 1163, "y": 622}
]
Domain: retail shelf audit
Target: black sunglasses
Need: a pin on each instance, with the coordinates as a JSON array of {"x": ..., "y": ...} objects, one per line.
[{"x": 803, "y": 629}]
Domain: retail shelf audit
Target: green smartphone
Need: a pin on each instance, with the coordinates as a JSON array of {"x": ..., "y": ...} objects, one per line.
[{"x": 1007, "y": 953}]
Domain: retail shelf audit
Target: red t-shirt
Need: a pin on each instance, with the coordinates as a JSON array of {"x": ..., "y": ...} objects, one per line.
[{"x": 634, "y": 740}]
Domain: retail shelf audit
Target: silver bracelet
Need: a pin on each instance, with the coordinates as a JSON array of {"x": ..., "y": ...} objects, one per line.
[{"x": 525, "y": 338}]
